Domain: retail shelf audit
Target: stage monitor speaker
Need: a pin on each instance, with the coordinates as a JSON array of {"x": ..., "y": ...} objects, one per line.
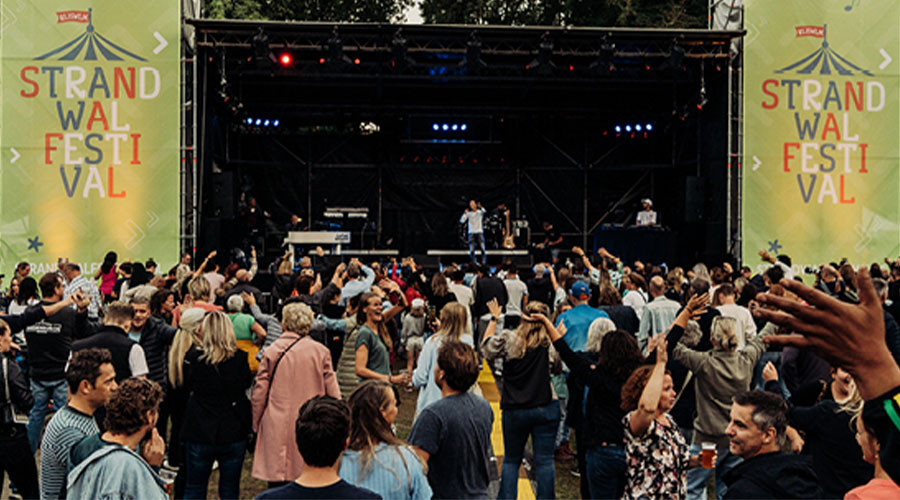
[
  {"x": 222, "y": 195},
  {"x": 694, "y": 198}
]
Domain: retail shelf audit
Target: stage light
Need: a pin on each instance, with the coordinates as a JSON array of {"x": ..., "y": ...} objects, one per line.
[
  {"x": 463, "y": 127},
  {"x": 638, "y": 127},
  {"x": 454, "y": 127},
  {"x": 258, "y": 122},
  {"x": 356, "y": 61},
  {"x": 321, "y": 60},
  {"x": 445, "y": 127},
  {"x": 285, "y": 59},
  {"x": 618, "y": 129},
  {"x": 276, "y": 123},
  {"x": 649, "y": 126},
  {"x": 628, "y": 128},
  {"x": 266, "y": 123},
  {"x": 435, "y": 127},
  {"x": 249, "y": 121}
]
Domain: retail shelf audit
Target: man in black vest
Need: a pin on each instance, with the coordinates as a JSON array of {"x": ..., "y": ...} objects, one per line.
[{"x": 127, "y": 355}]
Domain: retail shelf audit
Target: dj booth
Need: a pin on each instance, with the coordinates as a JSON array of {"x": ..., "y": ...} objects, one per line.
[{"x": 655, "y": 244}]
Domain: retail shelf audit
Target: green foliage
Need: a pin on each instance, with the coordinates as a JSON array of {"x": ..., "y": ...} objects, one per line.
[
  {"x": 377, "y": 11},
  {"x": 622, "y": 13}
]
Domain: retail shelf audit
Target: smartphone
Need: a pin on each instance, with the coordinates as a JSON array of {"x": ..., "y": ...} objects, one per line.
[{"x": 432, "y": 313}]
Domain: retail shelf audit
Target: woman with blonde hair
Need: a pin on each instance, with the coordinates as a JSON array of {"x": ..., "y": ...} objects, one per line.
[
  {"x": 440, "y": 292},
  {"x": 198, "y": 294},
  {"x": 217, "y": 418},
  {"x": 529, "y": 404},
  {"x": 451, "y": 327},
  {"x": 375, "y": 458},
  {"x": 719, "y": 375},
  {"x": 293, "y": 369},
  {"x": 186, "y": 338}
]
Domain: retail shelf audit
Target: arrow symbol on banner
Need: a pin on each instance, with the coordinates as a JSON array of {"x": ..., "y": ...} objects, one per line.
[
  {"x": 153, "y": 219},
  {"x": 15, "y": 154},
  {"x": 162, "y": 43},
  {"x": 887, "y": 59},
  {"x": 756, "y": 163}
]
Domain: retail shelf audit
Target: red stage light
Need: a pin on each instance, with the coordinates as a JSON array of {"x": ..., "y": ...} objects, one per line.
[
  {"x": 356, "y": 61},
  {"x": 321, "y": 60},
  {"x": 571, "y": 68},
  {"x": 285, "y": 59}
]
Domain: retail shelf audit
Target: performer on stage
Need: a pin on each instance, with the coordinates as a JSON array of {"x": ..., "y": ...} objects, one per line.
[
  {"x": 646, "y": 217},
  {"x": 473, "y": 216}
]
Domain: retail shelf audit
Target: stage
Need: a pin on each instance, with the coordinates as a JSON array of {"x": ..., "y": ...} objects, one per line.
[{"x": 407, "y": 124}]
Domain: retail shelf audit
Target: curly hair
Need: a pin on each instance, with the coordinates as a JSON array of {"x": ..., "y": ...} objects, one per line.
[
  {"x": 297, "y": 317},
  {"x": 126, "y": 411},
  {"x": 634, "y": 387}
]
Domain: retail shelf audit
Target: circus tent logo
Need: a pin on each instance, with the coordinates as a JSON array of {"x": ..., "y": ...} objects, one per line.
[
  {"x": 824, "y": 60},
  {"x": 90, "y": 45}
]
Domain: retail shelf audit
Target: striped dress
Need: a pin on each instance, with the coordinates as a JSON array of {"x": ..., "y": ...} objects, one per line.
[{"x": 67, "y": 427}]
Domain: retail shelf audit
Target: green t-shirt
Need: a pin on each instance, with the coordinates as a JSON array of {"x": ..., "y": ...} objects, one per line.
[
  {"x": 379, "y": 360},
  {"x": 242, "y": 324}
]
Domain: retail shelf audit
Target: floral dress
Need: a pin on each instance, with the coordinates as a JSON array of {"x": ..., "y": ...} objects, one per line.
[{"x": 657, "y": 462}]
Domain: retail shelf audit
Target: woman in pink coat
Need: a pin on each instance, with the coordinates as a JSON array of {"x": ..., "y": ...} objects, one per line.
[{"x": 303, "y": 371}]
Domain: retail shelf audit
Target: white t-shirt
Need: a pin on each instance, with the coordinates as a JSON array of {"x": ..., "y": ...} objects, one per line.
[
  {"x": 745, "y": 323},
  {"x": 646, "y": 218},
  {"x": 636, "y": 300},
  {"x": 474, "y": 220},
  {"x": 137, "y": 361},
  {"x": 517, "y": 290}
]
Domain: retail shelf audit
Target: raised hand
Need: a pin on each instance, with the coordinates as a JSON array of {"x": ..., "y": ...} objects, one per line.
[
  {"x": 769, "y": 372},
  {"x": 850, "y": 336},
  {"x": 494, "y": 308}
]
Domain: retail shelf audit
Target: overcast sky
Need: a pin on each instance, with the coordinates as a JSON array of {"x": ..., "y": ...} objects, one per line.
[{"x": 412, "y": 14}]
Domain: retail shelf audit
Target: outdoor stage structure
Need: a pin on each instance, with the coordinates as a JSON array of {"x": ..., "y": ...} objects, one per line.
[{"x": 568, "y": 125}]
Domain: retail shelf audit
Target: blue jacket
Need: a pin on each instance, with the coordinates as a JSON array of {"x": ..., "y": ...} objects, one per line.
[{"x": 116, "y": 473}]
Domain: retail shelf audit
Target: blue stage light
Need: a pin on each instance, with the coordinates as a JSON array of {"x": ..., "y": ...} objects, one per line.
[
  {"x": 454, "y": 127},
  {"x": 463, "y": 127},
  {"x": 249, "y": 121},
  {"x": 638, "y": 127},
  {"x": 266, "y": 123},
  {"x": 649, "y": 126},
  {"x": 628, "y": 128},
  {"x": 258, "y": 122},
  {"x": 435, "y": 126},
  {"x": 445, "y": 127},
  {"x": 618, "y": 129},
  {"x": 276, "y": 123}
]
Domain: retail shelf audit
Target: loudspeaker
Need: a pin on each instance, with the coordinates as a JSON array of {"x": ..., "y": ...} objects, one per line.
[
  {"x": 222, "y": 195},
  {"x": 694, "y": 198}
]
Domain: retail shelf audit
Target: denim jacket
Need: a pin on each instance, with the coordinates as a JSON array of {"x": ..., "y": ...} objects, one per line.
[{"x": 115, "y": 473}]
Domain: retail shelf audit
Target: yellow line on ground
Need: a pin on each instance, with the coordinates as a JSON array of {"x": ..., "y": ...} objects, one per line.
[{"x": 490, "y": 393}]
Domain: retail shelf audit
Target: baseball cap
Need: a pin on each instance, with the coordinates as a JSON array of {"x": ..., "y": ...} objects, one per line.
[
  {"x": 418, "y": 303},
  {"x": 580, "y": 290}
]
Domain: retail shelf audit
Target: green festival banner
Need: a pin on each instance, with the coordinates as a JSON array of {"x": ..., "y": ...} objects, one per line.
[
  {"x": 821, "y": 169},
  {"x": 90, "y": 131}
]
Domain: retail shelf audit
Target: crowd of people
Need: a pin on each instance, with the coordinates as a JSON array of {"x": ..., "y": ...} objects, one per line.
[{"x": 660, "y": 379}]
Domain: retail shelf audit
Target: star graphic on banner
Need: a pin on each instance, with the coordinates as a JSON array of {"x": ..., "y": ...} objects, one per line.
[
  {"x": 774, "y": 247},
  {"x": 35, "y": 244}
]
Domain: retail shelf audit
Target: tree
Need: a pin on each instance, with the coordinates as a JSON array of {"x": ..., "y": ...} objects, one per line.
[
  {"x": 375, "y": 11},
  {"x": 622, "y": 13}
]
